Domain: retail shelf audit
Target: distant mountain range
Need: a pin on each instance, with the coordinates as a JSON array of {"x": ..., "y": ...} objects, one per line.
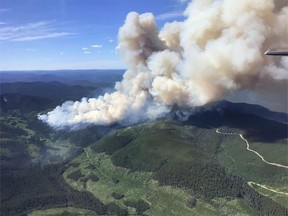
[
  {"x": 47, "y": 89},
  {"x": 71, "y": 77}
]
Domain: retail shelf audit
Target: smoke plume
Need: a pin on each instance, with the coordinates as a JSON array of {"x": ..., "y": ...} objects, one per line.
[{"x": 217, "y": 49}]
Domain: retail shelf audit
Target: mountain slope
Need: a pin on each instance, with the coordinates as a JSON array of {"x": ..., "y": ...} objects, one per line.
[
  {"x": 187, "y": 156},
  {"x": 245, "y": 108},
  {"x": 227, "y": 114}
]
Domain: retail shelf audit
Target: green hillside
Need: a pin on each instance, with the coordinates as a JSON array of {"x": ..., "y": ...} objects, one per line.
[
  {"x": 191, "y": 164},
  {"x": 164, "y": 167}
]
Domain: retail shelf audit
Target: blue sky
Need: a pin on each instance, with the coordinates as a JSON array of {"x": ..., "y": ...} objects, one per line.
[{"x": 70, "y": 34}]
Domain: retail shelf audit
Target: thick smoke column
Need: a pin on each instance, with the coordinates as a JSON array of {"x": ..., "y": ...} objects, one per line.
[{"x": 217, "y": 49}]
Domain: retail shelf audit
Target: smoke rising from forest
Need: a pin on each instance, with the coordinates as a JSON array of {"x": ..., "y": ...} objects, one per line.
[{"x": 216, "y": 50}]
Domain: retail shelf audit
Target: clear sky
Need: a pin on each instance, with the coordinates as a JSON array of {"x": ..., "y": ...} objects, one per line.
[{"x": 70, "y": 34}]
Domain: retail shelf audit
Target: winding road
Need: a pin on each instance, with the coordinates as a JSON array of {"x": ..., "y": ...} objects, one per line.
[
  {"x": 251, "y": 150},
  {"x": 250, "y": 183}
]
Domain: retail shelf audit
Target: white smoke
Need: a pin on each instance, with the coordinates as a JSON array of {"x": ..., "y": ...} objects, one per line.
[{"x": 217, "y": 49}]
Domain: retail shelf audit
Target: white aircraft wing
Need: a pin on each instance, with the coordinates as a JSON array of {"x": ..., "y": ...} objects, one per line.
[{"x": 276, "y": 53}]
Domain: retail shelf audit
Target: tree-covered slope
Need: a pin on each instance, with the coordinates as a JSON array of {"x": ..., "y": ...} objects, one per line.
[{"x": 187, "y": 156}]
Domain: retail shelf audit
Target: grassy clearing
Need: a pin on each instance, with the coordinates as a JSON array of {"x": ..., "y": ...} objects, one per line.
[
  {"x": 276, "y": 152},
  {"x": 235, "y": 157},
  {"x": 14, "y": 128},
  {"x": 19, "y": 123},
  {"x": 37, "y": 147},
  {"x": 280, "y": 184},
  {"x": 62, "y": 211},
  {"x": 232, "y": 207},
  {"x": 163, "y": 200},
  {"x": 133, "y": 185}
]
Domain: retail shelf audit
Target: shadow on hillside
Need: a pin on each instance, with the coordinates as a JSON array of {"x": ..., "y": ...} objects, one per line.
[{"x": 256, "y": 128}]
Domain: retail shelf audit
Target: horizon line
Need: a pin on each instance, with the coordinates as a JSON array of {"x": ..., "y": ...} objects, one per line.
[{"x": 43, "y": 70}]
